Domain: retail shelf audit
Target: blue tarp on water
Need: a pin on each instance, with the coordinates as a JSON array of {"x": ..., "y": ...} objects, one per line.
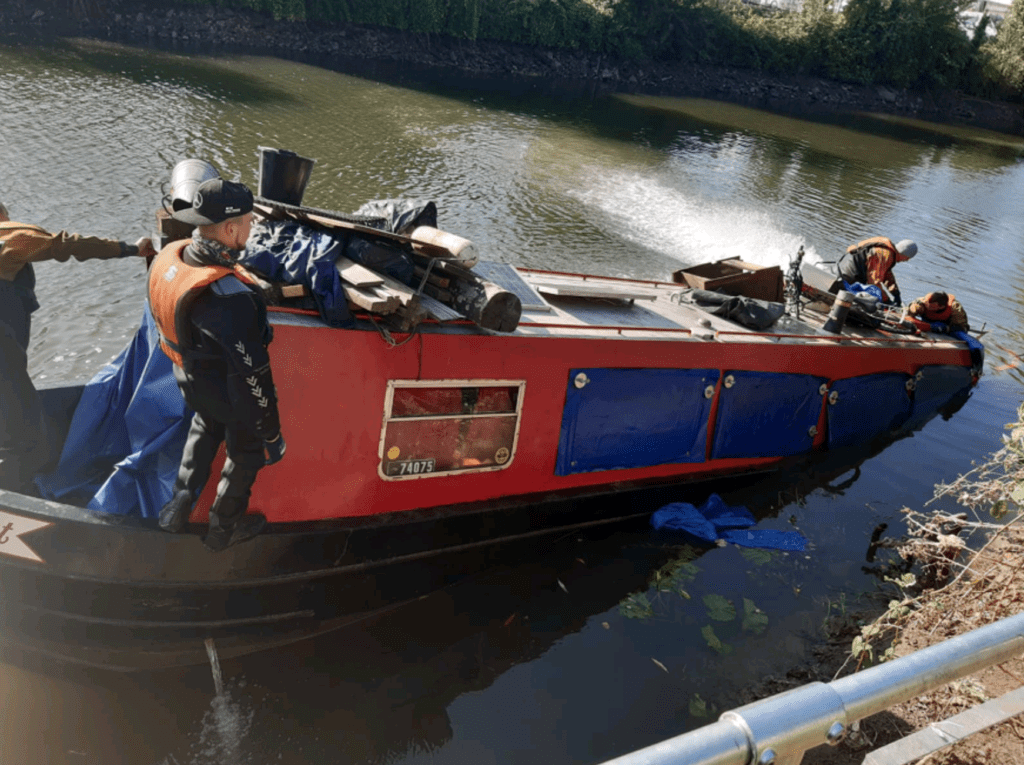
[
  {"x": 132, "y": 420},
  {"x": 716, "y": 520}
]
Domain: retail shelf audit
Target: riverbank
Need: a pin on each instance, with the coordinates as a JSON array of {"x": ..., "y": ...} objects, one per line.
[{"x": 341, "y": 46}]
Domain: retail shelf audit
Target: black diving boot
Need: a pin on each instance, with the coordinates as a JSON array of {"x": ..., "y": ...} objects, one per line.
[
  {"x": 175, "y": 513},
  {"x": 221, "y": 537}
]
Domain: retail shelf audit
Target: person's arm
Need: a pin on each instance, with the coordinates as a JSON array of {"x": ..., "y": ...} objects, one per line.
[
  {"x": 31, "y": 244},
  {"x": 958, "y": 317},
  {"x": 236, "y": 322},
  {"x": 916, "y": 307},
  {"x": 880, "y": 263}
]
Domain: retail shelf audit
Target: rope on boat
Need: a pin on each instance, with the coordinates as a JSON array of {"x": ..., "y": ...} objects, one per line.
[{"x": 385, "y": 333}]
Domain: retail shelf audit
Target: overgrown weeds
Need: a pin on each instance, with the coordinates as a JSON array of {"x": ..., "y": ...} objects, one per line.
[{"x": 942, "y": 583}]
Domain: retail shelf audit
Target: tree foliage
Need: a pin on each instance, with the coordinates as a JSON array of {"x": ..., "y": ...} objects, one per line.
[
  {"x": 903, "y": 43},
  {"x": 1002, "y": 59},
  {"x": 900, "y": 42}
]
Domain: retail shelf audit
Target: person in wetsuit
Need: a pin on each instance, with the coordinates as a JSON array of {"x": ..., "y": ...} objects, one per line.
[
  {"x": 870, "y": 263},
  {"x": 213, "y": 325},
  {"x": 24, "y": 450}
]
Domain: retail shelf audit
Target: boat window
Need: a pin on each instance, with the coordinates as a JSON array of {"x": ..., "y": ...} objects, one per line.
[
  {"x": 418, "y": 402},
  {"x": 439, "y": 428}
]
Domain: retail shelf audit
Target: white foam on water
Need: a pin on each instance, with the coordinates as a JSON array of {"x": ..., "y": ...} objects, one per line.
[
  {"x": 686, "y": 226},
  {"x": 225, "y": 727}
]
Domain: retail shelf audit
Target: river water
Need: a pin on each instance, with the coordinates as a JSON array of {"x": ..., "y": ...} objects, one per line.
[{"x": 577, "y": 648}]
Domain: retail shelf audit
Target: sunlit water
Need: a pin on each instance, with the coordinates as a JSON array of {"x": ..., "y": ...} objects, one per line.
[{"x": 572, "y": 649}]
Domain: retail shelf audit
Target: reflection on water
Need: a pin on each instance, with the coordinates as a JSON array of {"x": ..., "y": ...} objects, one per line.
[
  {"x": 619, "y": 631},
  {"x": 563, "y": 650}
]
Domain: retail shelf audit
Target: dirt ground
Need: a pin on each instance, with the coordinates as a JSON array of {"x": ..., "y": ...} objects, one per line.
[{"x": 990, "y": 588}]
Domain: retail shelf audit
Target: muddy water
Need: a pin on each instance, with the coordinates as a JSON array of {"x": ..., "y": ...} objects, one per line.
[{"x": 576, "y": 648}]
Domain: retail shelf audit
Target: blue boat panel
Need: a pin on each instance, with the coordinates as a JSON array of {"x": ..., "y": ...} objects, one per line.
[
  {"x": 935, "y": 387},
  {"x": 867, "y": 407},
  {"x": 630, "y": 418},
  {"x": 767, "y": 414}
]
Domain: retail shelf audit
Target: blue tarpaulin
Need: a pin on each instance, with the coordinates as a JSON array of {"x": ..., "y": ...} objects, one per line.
[
  {"x": 285, "y": 251},
  {"x": 716, "y": 520},
  {"x": 124, "y": 446},
  {"x": 865, "y": 289}
]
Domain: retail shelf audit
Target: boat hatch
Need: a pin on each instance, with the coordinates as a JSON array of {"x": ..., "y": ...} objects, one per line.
[{"x": 433, "y": 428}]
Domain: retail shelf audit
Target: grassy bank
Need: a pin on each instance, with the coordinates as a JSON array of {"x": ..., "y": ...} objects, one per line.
[{"x": 903, "y": 43}]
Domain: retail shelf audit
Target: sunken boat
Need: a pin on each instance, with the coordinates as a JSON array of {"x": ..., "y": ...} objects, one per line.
[{"x": 444, "y": 402}]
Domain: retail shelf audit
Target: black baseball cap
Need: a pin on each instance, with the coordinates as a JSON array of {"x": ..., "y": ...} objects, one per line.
[{"x": 215, "y": 201}]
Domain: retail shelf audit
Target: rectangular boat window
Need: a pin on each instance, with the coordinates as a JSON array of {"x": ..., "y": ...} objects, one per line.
[{"x": 434, "y": 428}]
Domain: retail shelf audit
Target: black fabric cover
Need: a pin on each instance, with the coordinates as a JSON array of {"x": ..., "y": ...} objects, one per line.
[
  {"x": 750, "y": 312},
  {"x": 400, "y": 216}
]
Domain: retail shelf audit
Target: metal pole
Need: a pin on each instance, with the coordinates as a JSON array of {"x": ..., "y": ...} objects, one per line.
[{"x": 779, "y": 729}]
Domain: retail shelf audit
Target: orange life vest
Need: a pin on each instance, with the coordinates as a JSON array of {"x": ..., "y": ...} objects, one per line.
[
  {"x": 173, "y": 287},
  {"x": 875, "y": 241},
  {"x": 928, "y": 316}
]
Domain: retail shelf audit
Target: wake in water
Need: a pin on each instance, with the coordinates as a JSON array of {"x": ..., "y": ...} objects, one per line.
[{"x": 684, "y": 226}]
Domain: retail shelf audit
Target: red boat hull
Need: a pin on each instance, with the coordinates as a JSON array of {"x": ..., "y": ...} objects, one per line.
[{"x": 334, "y": 391}]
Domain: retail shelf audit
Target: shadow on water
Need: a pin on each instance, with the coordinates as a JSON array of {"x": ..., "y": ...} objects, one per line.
[
  {"x": 875, "y": 138},
  {"x": 869, "y": 138},
  {"x": 157, "y": 68},
  {"x": 383, "y": 688}
]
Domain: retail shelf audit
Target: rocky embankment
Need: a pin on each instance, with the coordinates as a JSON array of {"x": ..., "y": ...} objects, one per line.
[{"x": 208, "y": 28}]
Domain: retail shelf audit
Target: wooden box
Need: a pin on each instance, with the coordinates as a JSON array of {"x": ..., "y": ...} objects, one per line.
[
  {"x": 733, "y": 276},
  {"x": 169, "y": 230}
]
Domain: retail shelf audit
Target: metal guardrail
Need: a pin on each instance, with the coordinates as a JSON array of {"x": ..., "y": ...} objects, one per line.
[{"x": 779, "y": 729}]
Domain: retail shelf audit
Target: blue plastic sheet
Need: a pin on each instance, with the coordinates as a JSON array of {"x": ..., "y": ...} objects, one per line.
[
  {"x": 716, "y": 520},
  {"x": 285, "y": 251},
  {"x": 127, "y": 434},
  {"x": 871, "y": 289}
]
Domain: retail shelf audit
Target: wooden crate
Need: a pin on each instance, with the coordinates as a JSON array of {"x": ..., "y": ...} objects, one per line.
[
  {"x": 170, "y": 230},
  {"x": 733, "y": 276}
]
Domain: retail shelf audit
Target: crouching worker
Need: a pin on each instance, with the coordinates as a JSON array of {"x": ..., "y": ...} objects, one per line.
[
  {"x": 214, "y": 328},
  {"x": 938, "y": 312},
  {"x": 867, "y": 267}
]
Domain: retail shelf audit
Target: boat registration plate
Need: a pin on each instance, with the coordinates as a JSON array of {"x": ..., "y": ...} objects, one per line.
[{"x": 410, "y": 467}]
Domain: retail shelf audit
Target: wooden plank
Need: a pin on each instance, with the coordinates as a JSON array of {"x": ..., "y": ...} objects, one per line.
[
  {"x": 293, "y": 291},
  {"x": 370, "y": 300},
  {"x": 583, "y": 290},
  {"x": 463, "y": 250},
  {"x": 357, "y": 275}
]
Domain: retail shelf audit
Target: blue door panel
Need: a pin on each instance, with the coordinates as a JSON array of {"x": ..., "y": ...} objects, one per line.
[
  {"x": 629, "y": 418},
  {"x": 766, "y": 414},
  {"x": 867, "y": 407}
]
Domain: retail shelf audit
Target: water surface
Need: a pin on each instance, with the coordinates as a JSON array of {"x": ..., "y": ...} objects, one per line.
[{"x": 578, "y": 647}]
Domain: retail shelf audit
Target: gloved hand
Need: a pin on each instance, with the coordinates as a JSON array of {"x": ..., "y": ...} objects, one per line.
[
  {"x": 146, "y": 248},
  {"x": 274, "y": 449},
  {"x": 938, "y": 326}
]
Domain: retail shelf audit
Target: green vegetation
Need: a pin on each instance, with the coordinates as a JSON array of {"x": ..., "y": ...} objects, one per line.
[{"x": 903, "y": 43}]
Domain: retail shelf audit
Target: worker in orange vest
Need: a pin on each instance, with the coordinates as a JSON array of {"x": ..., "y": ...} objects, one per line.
[{"x": 213, "y": 326}]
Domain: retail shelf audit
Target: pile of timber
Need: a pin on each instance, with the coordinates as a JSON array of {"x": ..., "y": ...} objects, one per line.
[{"x": 443, "y": 267}]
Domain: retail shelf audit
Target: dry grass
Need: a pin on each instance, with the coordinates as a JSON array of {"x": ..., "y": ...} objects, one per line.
[{"x": 951, "y": 575}]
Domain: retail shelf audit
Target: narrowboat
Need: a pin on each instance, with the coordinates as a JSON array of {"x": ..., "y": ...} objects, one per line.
[{"x": 477, "y": 402}]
